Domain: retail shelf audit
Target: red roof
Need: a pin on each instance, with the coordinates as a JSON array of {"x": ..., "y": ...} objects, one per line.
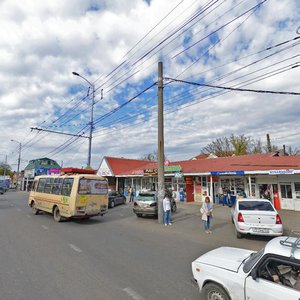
[{"x": 254, "y": 162}]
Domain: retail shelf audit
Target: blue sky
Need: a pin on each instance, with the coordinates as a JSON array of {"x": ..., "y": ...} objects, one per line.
[{"x": 116, "y": 45}]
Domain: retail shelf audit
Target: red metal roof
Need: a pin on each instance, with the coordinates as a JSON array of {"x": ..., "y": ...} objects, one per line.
[{"x": 257, "y": 162}]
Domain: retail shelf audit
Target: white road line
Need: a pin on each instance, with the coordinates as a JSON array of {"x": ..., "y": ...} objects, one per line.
[
  {"x": 45, "y": 227},
  {"x": 28, "y": 216},
  {"x": 133, "y": 294},
  {"x": 75, "y": 248}
]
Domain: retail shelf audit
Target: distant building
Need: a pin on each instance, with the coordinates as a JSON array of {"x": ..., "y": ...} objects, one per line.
[{"x": 40, "y": 166}]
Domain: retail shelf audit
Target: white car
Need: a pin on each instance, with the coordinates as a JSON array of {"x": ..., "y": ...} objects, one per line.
[
  {"x": 272, "y": 273},
  {"x": 257, "y": 217}
]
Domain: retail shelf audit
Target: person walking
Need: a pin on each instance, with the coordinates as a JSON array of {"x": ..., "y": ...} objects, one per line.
[
  {"x": 131, "y": 192},
  {"x": 167, "y": 210},
  {"x": 206, "y": 211}
]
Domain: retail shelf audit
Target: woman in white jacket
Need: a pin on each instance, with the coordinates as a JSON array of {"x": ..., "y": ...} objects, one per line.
[{"x": 206, "y": 211}]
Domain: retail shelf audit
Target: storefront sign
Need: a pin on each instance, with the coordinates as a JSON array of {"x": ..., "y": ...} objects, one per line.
[
  {"x": 281, "y": 172},
  {"x": 176, "y": 168},
  {"x": 228, "y": 173},
  {"x": 150, "y": 171},
  {"x": 178, "y": 174}
]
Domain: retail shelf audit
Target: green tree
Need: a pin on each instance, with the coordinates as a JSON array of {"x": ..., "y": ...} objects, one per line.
[{"x": 5, "y": 169}]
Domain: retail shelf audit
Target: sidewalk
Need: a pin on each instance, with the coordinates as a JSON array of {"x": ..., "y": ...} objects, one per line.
[{"x": 290, "y": 218}]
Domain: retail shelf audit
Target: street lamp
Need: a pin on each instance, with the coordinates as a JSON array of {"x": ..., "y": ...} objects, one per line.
[
  {"x": 19, "y": 160},
  {"x": 92, "y": 118}
]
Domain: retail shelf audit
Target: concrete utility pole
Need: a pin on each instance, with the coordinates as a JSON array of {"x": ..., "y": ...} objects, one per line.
[
  {"x": 160, "y": 151},
  {"x": 91, "y": 120},
  {"x": 19, "y": 161}
]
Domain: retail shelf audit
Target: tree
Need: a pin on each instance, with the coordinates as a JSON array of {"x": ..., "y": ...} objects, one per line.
[
  {"x": 5, "y": 169},
  {"x": 293, "y": 151},
  {"x": 153, "y": 156}
]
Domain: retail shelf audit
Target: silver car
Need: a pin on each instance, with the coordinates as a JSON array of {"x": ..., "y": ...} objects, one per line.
[
  {"x": 255, "y": 217},
  {"x": 145, "y": 204}
]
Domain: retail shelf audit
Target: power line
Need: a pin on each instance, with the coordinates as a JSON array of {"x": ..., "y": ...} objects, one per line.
[{"x": 234, "y": 89}]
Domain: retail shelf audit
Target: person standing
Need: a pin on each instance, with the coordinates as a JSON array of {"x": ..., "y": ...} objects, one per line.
[
  {"x": 131, "y": 191},
  {"x": 167, "y": 210},
  {"x": 206, "y": 211}
]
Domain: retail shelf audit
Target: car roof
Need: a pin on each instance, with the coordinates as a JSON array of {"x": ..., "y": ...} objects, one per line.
[{"x": 284, "y": 246}]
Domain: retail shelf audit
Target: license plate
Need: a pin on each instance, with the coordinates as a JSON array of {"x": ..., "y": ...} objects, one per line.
[{"x": 260, "y": 230}]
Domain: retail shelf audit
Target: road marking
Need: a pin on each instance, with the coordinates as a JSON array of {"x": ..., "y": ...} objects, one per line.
[
  {"x": 133, "y": 294},
  {"x": 45, "y": 227},
  {"x": 28, "y": 216},
  {"x": 75, "y": 248},
  {"x": 19, "y": 209}
]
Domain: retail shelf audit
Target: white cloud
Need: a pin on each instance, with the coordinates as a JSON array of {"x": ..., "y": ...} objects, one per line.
[{"x": 42, "y": 42}]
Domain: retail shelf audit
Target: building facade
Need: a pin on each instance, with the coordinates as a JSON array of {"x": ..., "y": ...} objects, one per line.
[{"x": 276, "y": 178}]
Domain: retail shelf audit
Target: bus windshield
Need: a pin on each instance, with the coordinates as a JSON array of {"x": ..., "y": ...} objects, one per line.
[{"x": 92, "y": 187}]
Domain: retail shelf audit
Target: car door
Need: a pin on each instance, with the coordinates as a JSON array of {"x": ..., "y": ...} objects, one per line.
[
  {"x": 259, "y": 285},
  {"x": 119, "y": 198}
]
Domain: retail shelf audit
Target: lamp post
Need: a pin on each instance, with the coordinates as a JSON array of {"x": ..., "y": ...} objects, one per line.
[
  {"x": 19, "y": 160},
  {"x": 91, "y": 120}
]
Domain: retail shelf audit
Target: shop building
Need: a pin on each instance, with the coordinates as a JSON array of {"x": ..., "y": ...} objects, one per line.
[
  {"x": 274, "y": 177},
  {"x": 40, "y": 166}
]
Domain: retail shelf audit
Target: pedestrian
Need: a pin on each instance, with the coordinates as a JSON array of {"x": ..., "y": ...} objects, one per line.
[
  {"x": 131, "y": 193},
  {"x": 206, "y": 211},
  {"x": 167, "y": 210}
]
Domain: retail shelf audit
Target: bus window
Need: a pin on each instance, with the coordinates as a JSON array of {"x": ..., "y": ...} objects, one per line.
[
  {"x": 92, "y": 187},
  {"x": 41, "y": 185},
  {"x": 67, "y": 186},
  {"x": 56, "y": 186},
  {"x": 48, "y": 185}
]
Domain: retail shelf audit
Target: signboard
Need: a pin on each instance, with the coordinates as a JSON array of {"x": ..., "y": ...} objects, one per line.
[
  {"x": 150, "y": 171},
  {"x": 281, "y": 172},
  {"x": 227, "y": 173},
  {"x": 178, "y": 174},
  {"x": 175, "y": 168}
]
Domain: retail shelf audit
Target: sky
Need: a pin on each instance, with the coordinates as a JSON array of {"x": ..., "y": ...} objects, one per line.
[{"x": 116, "y": 46}]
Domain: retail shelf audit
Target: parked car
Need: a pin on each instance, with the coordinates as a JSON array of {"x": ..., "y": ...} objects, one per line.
[
  {"x": 256, "y": 217},
  {"x": 2, "y": 190},
  {"x": 273, "y": 273},
  {"x": 145, "y": 204},
  {"x": 115, "y": 198}
]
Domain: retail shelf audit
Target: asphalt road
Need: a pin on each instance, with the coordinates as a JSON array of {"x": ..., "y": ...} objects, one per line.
[{"x": 118, "y": 256}]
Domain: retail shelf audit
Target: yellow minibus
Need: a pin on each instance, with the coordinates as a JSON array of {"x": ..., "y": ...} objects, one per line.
[{"x": 69, "y": 195}]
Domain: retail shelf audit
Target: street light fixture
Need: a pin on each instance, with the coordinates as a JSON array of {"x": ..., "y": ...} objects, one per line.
[
  {"x": 92, "y": 118},
  {"x": 19, "y": 160}
]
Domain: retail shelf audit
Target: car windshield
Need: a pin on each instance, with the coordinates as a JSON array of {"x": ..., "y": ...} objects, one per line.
[
  {"x": 145, "y": 197},
  {"x": 255, "y": 205},
  {"x": 252, "y": 260}
]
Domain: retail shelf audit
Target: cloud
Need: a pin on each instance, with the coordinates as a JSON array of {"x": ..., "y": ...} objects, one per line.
[{"x": 116, "y": 45}]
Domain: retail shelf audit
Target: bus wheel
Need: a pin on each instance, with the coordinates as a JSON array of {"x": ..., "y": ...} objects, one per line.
[
  {"x": 34, "y": 209},
  {"x": 56, "y": 214}
]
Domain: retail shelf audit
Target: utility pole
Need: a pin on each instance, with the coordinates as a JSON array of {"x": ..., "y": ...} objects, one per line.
[
  {"x": 161, "y": 178},
  {"x": 91, "y": 119},
  {"x": 19, "y": 161},
  {"x": 269, "y": 147}
]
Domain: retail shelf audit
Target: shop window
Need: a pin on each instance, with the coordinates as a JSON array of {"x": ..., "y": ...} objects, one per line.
[
  {"x": 297, "y": 189},
  {"x": 204, "y": 182},
  {"x": 286, "y": 191}
]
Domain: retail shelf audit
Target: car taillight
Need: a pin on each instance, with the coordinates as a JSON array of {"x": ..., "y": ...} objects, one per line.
[
  {"x": 278, "y": 219},
  {"x": 240, "y": 218}
]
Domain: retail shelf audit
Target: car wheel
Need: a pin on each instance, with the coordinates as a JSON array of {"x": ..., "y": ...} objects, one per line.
[
  {"x": 34, "y": 209},
  {"x": 238, "y": 234},
  {"x": 212, "y": 291},
  {"x": 56, "y": 214},
  {"x": 112, "y": 204}
]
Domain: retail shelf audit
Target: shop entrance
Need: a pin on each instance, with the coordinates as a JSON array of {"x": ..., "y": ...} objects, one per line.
[{"x": 286, "y": 196}]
